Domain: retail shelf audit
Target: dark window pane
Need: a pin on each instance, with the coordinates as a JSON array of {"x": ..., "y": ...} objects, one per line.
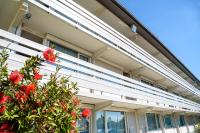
[
  {"x": 147, "y": 82},
  {"x": 100, "y": 119},
  {"x": 83, "y": 57},
  {"x": 126, "y": 74},
  {"x": 168, "y": 121},
  {"x": 181, "y": 120},
  {"x": 63, "y": 49},
  {"x": 151, "y": 121}
]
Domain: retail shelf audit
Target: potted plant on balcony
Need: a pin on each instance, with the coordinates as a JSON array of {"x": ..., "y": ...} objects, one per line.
[{"x": 29, "y": 104}]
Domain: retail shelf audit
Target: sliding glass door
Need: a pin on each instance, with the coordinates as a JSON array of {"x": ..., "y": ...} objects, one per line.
[{"x": 110, "y": 122}]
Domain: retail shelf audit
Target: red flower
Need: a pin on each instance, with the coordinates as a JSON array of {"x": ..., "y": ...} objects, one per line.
[
  {"x": 49, "y": 55},
  {"x": 86, "y": 112},
  {"x": 15, "y": 77},
  {"x": 4, "y": 127},
  {"x": 4, "y": 99},
  {"x": 37, "y": 76},
  {"x": 2, "y": 108},
  {"x": 21, "y": 96},
  {"x": 28, "y": 88}
]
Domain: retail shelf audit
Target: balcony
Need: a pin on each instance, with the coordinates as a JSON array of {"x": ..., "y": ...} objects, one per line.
[
  {"x": 98, "y": 84},
  {"x": 81, "y": 19}
]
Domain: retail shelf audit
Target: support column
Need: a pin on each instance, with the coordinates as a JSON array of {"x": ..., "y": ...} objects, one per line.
[
  {"x": 175, "y": 116},
  {"x": 186, "y": 123},
  {"x": 93, "y": 128},
  {"x": 162, "y": 126},
  {"x": 137, "y": 122}
]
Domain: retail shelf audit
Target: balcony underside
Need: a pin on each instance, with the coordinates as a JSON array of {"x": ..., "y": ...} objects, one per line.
[{"x": 98, "y": 85}]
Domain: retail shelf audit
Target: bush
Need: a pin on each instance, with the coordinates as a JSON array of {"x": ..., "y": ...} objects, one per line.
[{"x": 29, "y": 105}]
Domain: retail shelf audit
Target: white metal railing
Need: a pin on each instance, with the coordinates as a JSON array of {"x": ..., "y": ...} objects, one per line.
[
  {"x": 94, "y": 77},
  {"x": 74, "y": 14}
]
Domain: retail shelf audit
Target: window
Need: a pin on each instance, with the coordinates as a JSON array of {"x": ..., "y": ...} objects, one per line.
[
  {"x": 31, "y": 36},
  {"x": 153, "y": 122},
  {"x": 181, "y": 121},
  {"x": 126, "y": 74},
  {"x": 100, "y": 119},
  {"x": 84, "y": 57},
  {"x": 83, "y": 125},
  {"x": 115, "y": 122},
  {"x": 69, "y": 51},
  {"x": 168, "y": 121},
  {"x": 63, "y": 49},
  {"x": 147, "y": 82}
]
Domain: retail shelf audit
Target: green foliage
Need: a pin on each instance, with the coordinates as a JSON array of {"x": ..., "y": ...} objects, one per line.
[{"x": 49, "y": 106}]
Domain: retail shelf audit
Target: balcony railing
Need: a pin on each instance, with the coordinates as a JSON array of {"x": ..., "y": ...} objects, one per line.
[
  {"x": 94, "y": 80},
  {"x": 77, "y": 16}
]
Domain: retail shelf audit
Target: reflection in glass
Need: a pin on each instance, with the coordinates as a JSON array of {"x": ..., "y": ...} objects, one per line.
[
  {"x": 181, "y": 120},
  {"x": 100, "y": 119},
  {"x": 168, "y": 121},
  {"x": 115, "y": 122},
  {"x": 83, "y": 125},
  {"x": 151, "y": 121}
]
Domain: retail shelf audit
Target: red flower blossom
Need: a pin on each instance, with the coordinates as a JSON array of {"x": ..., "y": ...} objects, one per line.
[
  {"x": 86, "y": 112},
  {"x": 4, "y": 127},
  {"x": 4, "y": 99},
  {"x": 15, "y": 77},
  {"x": 21, "y": 96},
  {"x": 37, "y": 76},
  {"x": 28, "y": 88},
  {"x": 49, "y": 55},
  {"x": 2, "y": 108}
]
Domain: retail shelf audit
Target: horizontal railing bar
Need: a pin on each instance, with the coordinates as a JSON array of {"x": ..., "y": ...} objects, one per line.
[{"x": 31, "y": 47}]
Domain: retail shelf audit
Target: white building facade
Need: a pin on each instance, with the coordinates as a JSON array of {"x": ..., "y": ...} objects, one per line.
[{"x": 126, "y": 76}]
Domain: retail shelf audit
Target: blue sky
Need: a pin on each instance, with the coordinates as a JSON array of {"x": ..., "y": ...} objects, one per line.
[{"x": 176, "y": 23}]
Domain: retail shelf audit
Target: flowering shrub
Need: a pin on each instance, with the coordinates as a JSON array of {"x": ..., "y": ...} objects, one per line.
[{"x": 29, "y": 105}]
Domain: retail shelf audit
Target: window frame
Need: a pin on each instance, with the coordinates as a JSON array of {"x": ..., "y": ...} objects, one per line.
[
  {"x": 172, "y": 123},
  {"x": 105, "y": 112},
  {"x": 157, "y": 120},
  {"x": 78, "y": 53}
]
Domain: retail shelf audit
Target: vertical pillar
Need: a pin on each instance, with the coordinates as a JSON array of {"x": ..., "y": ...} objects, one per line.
[
  {"x": 137, "y": 122},
  {"x": 162, "y": 126},
  {"x": 186, "y": 123},
  {"x": 175, "y": 116},
  {"x": 93, "y": 123}
]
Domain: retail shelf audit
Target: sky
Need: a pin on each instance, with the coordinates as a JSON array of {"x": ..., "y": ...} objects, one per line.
[{"x": 176, "y": 23}]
